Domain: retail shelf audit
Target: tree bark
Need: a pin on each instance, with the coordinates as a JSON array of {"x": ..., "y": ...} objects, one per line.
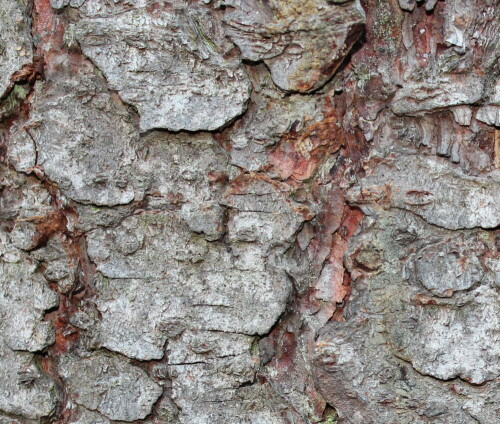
[{"x": 249, "y": 211}]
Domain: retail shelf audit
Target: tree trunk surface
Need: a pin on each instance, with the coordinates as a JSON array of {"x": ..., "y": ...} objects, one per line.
[{"x": 250, "y": 211}]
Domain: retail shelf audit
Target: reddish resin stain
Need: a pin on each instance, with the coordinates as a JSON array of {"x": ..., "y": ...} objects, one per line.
[
  {"x": 242, "y": 183},
  {"x": 66, "y": 334},
  {"x": 427, "y": 30},
  {"x": 50, "y": 224},
  {"x": 48, "y": 30},
  {"x": 47, "y": 26},
  {"x": 300, "y": 153},
  {"x": 286, "y": 349},
  {"x": 350, "y": 222}
]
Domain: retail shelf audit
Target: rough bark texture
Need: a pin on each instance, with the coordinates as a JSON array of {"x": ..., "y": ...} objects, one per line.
[{"x": 249, "y": 211}]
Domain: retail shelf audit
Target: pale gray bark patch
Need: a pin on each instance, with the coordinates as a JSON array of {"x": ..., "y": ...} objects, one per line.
[
  {"x": 25, "y": 391},
  {"x": 428, "y": 187},
  {"x": 16, "y": 48},
  {"x": 24, "y": 298},
  {"x": 171, "y": 63},
  {"x": 90, "y": 164},
  {"x": 110, "y": 385}
]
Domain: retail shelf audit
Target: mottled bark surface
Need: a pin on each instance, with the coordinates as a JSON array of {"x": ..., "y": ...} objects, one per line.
[{"x": 249, "y": 211}]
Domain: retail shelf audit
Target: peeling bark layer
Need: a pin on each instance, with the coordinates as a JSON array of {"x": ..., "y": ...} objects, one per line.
[{"x": 249, "y": 211}]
